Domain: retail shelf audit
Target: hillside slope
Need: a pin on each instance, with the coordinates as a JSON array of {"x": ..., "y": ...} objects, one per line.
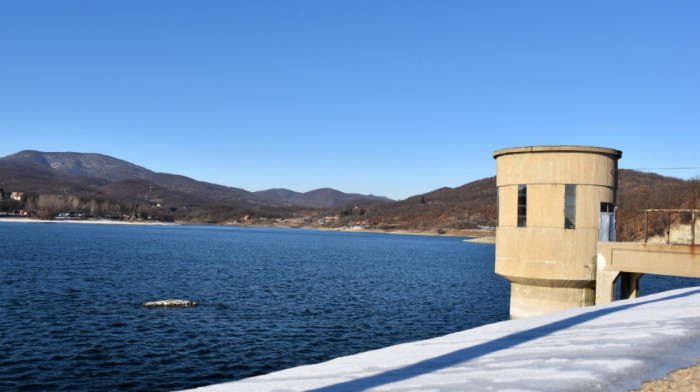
[
  {"x": 112, "y": 169},
  {"x": 101, "y": 177},
  {"x": 100, "y": 184},
  {"x": 324, "y": 197},
  {"x": 466, "y": 207},
  {"x": 473, "y": 205},
  {"x": 638, "y": 191}
]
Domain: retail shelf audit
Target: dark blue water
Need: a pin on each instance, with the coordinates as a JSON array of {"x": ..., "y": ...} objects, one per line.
[{"x": 71, "y": 315}]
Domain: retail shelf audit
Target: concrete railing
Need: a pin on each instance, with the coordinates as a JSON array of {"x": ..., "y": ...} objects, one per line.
[{"x": 629, "y": 261}]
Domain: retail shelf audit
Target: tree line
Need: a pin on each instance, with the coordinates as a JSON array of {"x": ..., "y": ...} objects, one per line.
[{"x": 50, "y": 206}]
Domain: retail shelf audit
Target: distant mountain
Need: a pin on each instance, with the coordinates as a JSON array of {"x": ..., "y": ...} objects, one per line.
[
  {"x": 32, "y": 177},
  {"x": 279, "y": 194},
  {"x": 80, "y": 164},
  {"x": 639, "y": 191},
  {"x": 475, "y": 205},
  {"x": 113, "y": 187},
  {"x": 324, "y": 197},
  {"x": 80, "y": 173},
  {"x": 112, "y": 169},
  {"x": 466, "y": 207}
]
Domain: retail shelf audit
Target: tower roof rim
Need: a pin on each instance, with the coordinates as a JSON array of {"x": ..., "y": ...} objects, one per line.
[{"x": 617, "y": 154}]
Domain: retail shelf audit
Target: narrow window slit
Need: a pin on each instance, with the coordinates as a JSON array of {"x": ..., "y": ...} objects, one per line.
[
  {"x": 570, "y": 207},
  {"x": 522, "y": 205}
]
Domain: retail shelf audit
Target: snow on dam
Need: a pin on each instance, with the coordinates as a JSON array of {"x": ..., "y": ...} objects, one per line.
[{"x": 609, "y": 347}]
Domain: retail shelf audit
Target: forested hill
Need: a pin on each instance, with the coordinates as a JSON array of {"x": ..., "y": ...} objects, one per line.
[
  {"x": 100, "y": 185},
  {"x": 473, "y": 206},
  {"x": 638, "y": 191},
  {"x": 469, "y": 206},
  {"x": 324, "y": 197},
  {"x": 95, "y": 185}
]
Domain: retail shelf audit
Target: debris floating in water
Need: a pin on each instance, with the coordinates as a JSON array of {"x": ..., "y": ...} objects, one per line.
[{"x": 170, "y": 302}]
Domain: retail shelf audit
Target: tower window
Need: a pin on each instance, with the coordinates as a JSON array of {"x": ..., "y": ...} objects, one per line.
[
  {"x": 498, "y": 206},
  {"x": 522, "y": 205},
  {"x": 570, "y": 207}
]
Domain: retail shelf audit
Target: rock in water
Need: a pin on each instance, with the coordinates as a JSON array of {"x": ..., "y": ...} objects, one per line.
[{"x": 170, "y": 302}]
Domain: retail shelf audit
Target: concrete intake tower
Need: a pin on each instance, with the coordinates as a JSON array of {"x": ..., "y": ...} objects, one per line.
[{"x": 554, "y": 204}]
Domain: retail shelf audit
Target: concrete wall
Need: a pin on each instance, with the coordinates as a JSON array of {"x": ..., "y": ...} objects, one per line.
[
  {"x": 551, "y": 268},
  {"x": 616, "y": 258}
]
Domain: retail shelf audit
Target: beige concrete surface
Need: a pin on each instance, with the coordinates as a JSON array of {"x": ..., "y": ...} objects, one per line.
[
  {"x": 551, "y": 268},
  {"x": 616, "y": 258}
]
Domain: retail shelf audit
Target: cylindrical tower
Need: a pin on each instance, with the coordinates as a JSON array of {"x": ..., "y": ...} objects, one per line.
[{"x": 550, "y": 200}]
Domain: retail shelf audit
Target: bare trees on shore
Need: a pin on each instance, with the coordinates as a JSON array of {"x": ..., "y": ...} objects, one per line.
[{"x": 49, "y": 206}]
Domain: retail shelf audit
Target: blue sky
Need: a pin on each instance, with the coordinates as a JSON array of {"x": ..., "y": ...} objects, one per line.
[{"x": 394, "y": 98}]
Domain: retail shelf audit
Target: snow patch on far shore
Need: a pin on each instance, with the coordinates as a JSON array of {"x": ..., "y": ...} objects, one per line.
[{"x": 87, "y": 221}]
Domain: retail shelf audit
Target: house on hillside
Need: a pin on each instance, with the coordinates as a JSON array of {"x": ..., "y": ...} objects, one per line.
[{"x": 17, "y": 196}]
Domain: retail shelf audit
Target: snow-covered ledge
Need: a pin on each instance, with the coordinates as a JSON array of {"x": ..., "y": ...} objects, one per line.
[{"x": 609, "y": 347}]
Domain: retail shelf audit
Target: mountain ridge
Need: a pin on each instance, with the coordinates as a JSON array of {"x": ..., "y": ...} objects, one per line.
[
  {"x": 102, "y": 191},
  {"x": 74, "y": 167},
  {"x": 322, "y": 197}
]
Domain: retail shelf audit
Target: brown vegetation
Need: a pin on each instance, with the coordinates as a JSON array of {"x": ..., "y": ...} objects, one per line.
[
  {"x": 106, "y": 187},
  {"x": 640, "y": 191},
  {"x": 467, "y": 207},
  {"x": 474, "y": 206}
]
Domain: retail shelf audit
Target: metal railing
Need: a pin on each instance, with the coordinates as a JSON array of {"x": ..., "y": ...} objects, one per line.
[{"x": 694, "y": 214}]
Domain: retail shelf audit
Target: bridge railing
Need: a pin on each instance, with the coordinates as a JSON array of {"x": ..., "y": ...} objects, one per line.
[{"x": 694, "y": 214}]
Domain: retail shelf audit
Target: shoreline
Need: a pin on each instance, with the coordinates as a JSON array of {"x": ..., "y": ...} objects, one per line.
[
  {"x": 86, "y": 221},
  {"x": 473, "y": 235},
  {"x": 430, "y": 233},
  {"x": 491, "y": 239}
]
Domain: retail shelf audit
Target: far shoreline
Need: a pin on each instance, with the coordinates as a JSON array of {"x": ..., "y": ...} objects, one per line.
[
  {"x": 473, "y": 235},
  {"x": 87, "y": 221}
]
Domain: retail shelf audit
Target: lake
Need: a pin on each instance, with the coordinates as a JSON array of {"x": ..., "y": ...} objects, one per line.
[{"x": 269, "y": 299}]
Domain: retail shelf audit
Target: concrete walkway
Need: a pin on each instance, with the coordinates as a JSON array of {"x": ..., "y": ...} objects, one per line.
[{"x": 612, "y": 347}]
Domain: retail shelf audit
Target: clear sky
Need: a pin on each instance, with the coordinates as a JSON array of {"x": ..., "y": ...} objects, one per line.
[{"x": 394, "y": 98}]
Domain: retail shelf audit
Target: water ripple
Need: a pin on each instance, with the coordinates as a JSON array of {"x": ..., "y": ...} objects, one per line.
[{"x": 270, "y": 299}]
